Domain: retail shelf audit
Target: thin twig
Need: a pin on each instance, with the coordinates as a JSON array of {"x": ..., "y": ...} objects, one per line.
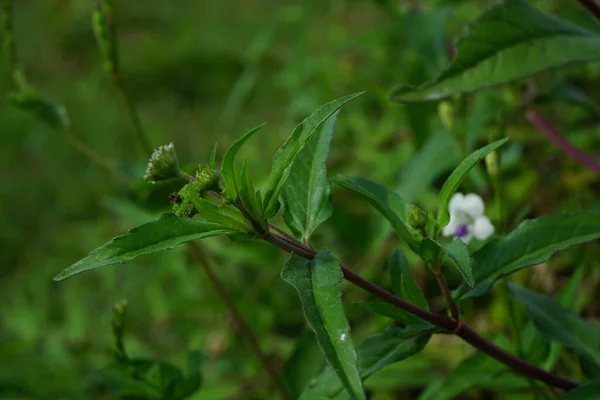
[
  {"x": 592, "y": 7},
  {"x": 239, "y": 321},
  {"x": 135, "y": 118},
  {"x": 458, "y": 328},
  {"x": 554, "y": 136},
  {"x": 441, "y": 280}
]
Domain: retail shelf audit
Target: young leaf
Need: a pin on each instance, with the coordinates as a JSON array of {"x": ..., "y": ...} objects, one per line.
[
  {"x": 390, "y": 311},
  {"x": 403, "y": 281},
  {"x": 457, "y": 177},
  {"x": 559, "y": 324},
  {"x": 317, "y": 283},
  {"x": 248, "y": 195},
  {"x": 532, "y": 242},
  {"x": 587, "y": 391},
  {"x": 376, "y": 352},
  {"x": 228, "y": 162},
  {"x": 221, "y": 214},
  {"x": 510, "y": 41},
  {"x": 458, "y": 252},
  {"x": 212, "y": 163},
  {"x": 393, "y": 207},
  {"x": 164, "y": 233},
  {"x": 307, "y": 194},
  {"x": 287, "y": 152}
]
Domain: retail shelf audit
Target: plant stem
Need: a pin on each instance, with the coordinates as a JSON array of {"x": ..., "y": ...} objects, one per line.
[
  {"x": 458, "y": 328},
  {"x": 239, "y": 320},
  {"x": 134, "y": 117},
  {"x": 441, "y": 280},
  {"x": 592, "y": 7},
  {"x": 554, "y": 136}
]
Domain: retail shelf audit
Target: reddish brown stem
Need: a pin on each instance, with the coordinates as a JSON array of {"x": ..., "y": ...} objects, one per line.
[
  {"x": 554, "y": 136},
  {"x": 592, "y": 7}
]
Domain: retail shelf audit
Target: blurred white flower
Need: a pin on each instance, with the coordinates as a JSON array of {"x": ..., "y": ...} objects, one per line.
[
  {"x": 467, "y": 218},
  {"x": 163, "y": 164}
]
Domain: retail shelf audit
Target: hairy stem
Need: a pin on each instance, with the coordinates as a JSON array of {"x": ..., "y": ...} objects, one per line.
[
  {"x": 554, "y": 136},
  {"x": 239, "y": 321},
  {"x": 456, "y": 327},
  {"x": 592, "y": 7}
]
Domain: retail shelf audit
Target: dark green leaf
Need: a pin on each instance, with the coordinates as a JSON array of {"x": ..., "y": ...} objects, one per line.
[
  {"x": 228, "y": 162},
  {"x": 305, "y": 362},
  {"x": 375, "y": 353},
  {"x": 393, "y": 207},
  {"x": 53, "y": 114},
  {"x": 119, "y": 378},
  {"x": 224, "y": 215},
  {"x": 284, "y": 157},
  {"x": 164, "y": 233},
  {"x": 458, "y": 252},
  {"x": 587, "y": 391},
  {"x": 306, "y": 195},
  {"x": 510, "y": 41},
  {"x": 403, "y": 281},
  {"x": 393, "y": 312},
  {"x": 317, "y": 283},
  {"x": 248, "y": 195},
  {"x": 430, "y": 251},
  {"x": 458, "y": 176},
  {"x": 532, "y": 242},
  {"x": 559, "y": 324}
]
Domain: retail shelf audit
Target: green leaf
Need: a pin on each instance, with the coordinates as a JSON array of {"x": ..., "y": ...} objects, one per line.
[
  {"x": 376, "y": 352},
  {"x": 164, "y": 233},
  {"x": 286, "y": 154},
  {"x": 393, "y": 207},
  {"x": 390, "y": 311},
  {"x": 228, "y": 162},
  {"x": 458, "y": 252},
  {"x": 403, "y": 281},
  {"x": 248, "y": 195},
  {"x": 53, "y": 114},
  {"x": 224, "y": 215},
  {"x": 438, "y": 154},
  {"x": 430, "y": 251},
  {"x": 510, "y": 41},
  {"x": 212, "y": 163},
  {"x": 473, "y": 371},
  {"x": 559, "y": 324},
  {"x": 532, "y": 242},
  {"x": 458, "y": 176},
  {"x": 306, "y": 195},
  {"x": 317, "y": 283},
  {"x": 587, "y": 391},
  {"x": 305, "y": 362}
]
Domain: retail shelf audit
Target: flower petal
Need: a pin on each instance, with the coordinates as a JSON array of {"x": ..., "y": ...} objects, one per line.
[
  {"x": 483, "y": 228},
  {"x": 456, "y": 203},
  {"x": 473, "y": 205}
]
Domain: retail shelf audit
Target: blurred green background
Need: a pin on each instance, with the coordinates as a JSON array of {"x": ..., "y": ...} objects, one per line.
[{"x": 202, "y": 72}]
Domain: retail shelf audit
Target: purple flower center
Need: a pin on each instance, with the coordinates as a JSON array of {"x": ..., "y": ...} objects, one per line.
[{"x": 462, "y": 231}]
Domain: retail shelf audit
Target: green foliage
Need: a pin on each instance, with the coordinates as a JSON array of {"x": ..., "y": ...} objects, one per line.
[
  {"x": 510, "y": 41},
  {"x": 559, "y": 324},
  {"x": 164, "y": 233},
  {"x": 587, "y": 391},
  {"x": 458, "y": 252},
  {"x": 317, "y": 283},
  {"x": 403, "y": 281},
  {"x": 285, "y": 156},
  {"x": 306, "y": 195}
]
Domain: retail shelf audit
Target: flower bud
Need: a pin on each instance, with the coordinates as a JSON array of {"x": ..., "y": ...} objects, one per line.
[
  {"x": 182, "y": 205},
  {"x": 207, "y": 178},
  {"x": 417, "y": 217},
  {"x": 446, "y": 114},
  {"x": 491, "y": 164},
  {"x": 163, "y": 164},
  {"x": 104, "y": 29}
]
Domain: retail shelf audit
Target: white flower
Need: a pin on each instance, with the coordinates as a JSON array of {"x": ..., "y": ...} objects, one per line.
[
  {"x": 163, "y": 164},
  {"x": 467, "y": 218}
]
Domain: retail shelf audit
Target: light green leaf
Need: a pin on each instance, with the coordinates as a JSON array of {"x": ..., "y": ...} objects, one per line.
[
  {"x": 458, "y": 252},
  {"x": 393, "y": 207},
  {"x": 532, "y": 242},
  {"x": 559, "y": 324},
  {"x": 224, "y": 215},
  {"x": 587, "y": 391},
  {"x": 306, "y": 194},
  {"x": 439, "y": 154},
  {"x": 510, "y": 41},
  {"x": 212, "y": 163},
  {"x": 376, "y": 352},
  {"x": 228, "y": 162},
  {"x": 390, "y": 311},
  {"x": 317, "y": 283},
  {"x": 458, "y": 176},
  {"x": 164, "y": 233},
  {"x": 475, "y": 370},
  {"x": 403, "y": 281},
  {"x": 248, "y": 195},
  {"x": 284, "y": 157}
]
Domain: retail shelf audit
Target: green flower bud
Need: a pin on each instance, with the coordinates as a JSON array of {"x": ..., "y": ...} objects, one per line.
[
  {"x": 207, "y": 178},
  {"x": 104, "y": 29},
  {"x": 182, "y": 201},
  {"x": 491, "y": 164},
  {"x": 446, "y": 114},
  {"x": 163, "y": 164},
  {"x": 417, "y": 217}
]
